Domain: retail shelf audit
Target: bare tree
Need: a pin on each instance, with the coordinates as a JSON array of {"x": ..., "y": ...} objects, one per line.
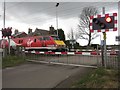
[
  {"x": 84, "y": 24},
  {"x": 72, "y": 35}
]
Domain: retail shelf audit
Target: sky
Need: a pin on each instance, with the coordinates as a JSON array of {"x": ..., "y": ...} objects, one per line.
[{"x": 24, "y": 15}]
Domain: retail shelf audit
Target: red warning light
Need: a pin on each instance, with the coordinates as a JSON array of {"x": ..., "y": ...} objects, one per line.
[{"x": 108, "y": 19}]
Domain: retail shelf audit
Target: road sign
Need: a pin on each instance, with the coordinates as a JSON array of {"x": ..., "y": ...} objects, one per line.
[{"x": 103, "y": 23}]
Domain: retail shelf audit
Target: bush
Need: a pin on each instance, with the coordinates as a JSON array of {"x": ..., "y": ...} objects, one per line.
[{"x": 9, "y": 61}]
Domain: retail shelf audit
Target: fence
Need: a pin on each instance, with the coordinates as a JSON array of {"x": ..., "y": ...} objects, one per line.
[{"x": 86, "y": 59}]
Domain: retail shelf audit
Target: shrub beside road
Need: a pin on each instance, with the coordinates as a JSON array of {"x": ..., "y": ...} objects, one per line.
[
  {"x": 99, "y": 78},
  {"x": 13, "y": 60}
]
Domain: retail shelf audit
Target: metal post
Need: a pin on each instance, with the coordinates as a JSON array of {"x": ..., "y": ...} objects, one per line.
[
  {"x": 102, "y": 50},
  {"x": 72, "y": 40},
  {"x": 100, "y": 38},
  {"x": 4, "y": 16},
  {"x": 9, "y": 45},
  {"x": 3, "y": 28},
  {"x": 57, "y": 18},
  {"x": 97, "y": 56},
  {"x": 119, "y": 41},
  {"x": 104, "y": 37},
  {"x": 105, "y": 51}
]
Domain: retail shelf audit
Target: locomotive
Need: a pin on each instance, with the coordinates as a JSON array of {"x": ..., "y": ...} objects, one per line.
[{"x": 52, "y": 43}]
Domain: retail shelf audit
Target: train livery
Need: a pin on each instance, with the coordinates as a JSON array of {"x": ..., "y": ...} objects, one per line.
[{"x": 52, "y": 43}]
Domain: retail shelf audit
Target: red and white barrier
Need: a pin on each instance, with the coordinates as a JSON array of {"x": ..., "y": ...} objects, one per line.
[{"x": 70, "y": 53}]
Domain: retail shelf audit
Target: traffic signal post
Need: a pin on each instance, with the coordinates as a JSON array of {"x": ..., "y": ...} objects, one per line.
[
  {"x": 108, "y": 20},
  {"x": 103, "y": 23}
]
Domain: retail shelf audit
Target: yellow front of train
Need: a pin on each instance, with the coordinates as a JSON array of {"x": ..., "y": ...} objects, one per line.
[{"x": 60, "y": 45}]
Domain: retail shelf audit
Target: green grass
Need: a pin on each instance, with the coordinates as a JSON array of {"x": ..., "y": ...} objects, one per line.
[
  {"x": 100, "y": 78},
  {"x": 10, "y": 61}
]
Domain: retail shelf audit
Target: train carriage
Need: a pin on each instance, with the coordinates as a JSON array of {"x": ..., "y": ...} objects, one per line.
[{"x": 52, "y": 43}]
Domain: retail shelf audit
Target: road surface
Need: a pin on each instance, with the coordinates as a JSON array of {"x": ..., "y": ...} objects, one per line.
[{"x": 33, "y": 75}]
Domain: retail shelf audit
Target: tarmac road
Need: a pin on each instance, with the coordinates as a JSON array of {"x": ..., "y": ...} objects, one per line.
[{"x": 33, "y": 75}]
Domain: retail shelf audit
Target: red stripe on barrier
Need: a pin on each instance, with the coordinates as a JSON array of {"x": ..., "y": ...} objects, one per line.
[
  {"x": 98, "y": 16},
  {"x": 90, "y": 24},
  {"x": 78, "y": 52},
  {"x": 115, "y": 21},
  {"x": 63, "y": 52},
  {"x": 91, "y": 17},
  {"x": 46, "y": 52},
  {"x": 51, "y": 52},
  {"x": 93, "y": 53},
  {"x": 114, "y": 14},
  {"x": 115, "y": 29},
  {"x": 106, "y": 15},
  {"x": 99, "y": 30},
  {"x": 113, "y": 53},
  {"x": 37, "y": 52},
  {"x": 91, "y": 30},
  {"x": 106, "y": 30}
]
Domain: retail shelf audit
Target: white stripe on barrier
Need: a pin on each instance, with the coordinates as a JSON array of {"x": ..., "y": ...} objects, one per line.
[
  {"x": 102, "y": 30},
  {"x": 32, "y": 51},
  {"x": 72, "y": 53},
  {"x": 103, "y": 15},
  {"x": 86, "y": 53},
  {"x": 90, "y": 20},
  {"x": 26, "y": 51},
  {"x": 95, "y": 31},
  {"x": 90, "y": 27},
  {"x": 110, "y": 29},
  {"x": 108, "y": 54},
  {"x": 110, "y": 14},
  {"x": 89, "y": 50},
  {"x": 115, "y": 25},
  {"x": 115, "y": 18},
  {"x": 95, "y": 16},
  {"x": 57, "y": 52},
  {"x": 42, "y": 52}
]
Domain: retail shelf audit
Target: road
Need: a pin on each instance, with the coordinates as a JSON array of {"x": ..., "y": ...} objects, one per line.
[{"x": 33, "y": 75}]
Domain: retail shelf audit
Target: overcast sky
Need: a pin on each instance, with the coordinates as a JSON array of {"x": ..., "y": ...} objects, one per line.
[{"x": 24, "y": 15}]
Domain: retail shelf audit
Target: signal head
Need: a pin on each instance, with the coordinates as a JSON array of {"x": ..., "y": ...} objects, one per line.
[{"x": 95, "y": 20}]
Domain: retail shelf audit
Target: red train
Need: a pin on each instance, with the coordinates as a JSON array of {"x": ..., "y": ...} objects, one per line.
[{"x": 39, "y": 43}]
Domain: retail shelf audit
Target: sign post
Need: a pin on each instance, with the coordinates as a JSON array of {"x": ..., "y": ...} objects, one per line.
[{"x": 104, "y": 38}]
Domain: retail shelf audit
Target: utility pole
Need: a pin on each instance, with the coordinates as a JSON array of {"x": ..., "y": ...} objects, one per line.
[
  {"x": 72, "y": 39},
  {"x": 4, "y": 18},
  {"x": 119, "y": 41},
  {"x": 4, "y": 28},
  {"x": 104, "y": 37},
  {"x": 57, "y": 17}
]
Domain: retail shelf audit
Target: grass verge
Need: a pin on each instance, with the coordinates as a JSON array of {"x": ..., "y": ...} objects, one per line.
[
  {"x": 10, "y": 61},
  {"x": 99, "y": 78}
]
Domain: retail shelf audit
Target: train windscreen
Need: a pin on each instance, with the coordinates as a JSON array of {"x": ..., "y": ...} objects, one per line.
[{"x": 55, "y": 38}]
